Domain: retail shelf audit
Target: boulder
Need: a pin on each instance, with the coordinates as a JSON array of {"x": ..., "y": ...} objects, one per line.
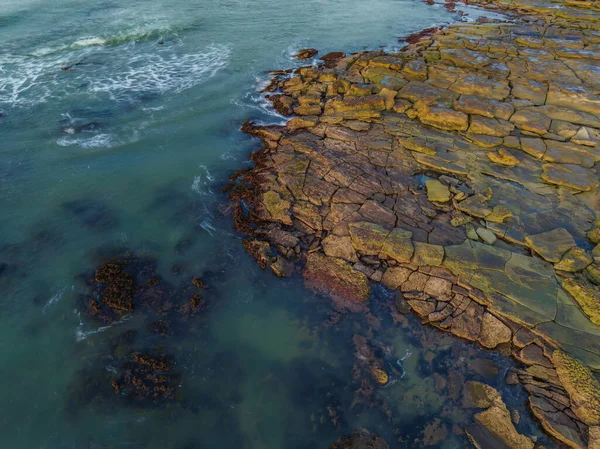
[{"x": 306, "y": 53}]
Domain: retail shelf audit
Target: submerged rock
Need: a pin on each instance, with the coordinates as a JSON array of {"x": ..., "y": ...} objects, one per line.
[
  {"x": 146, "y": 379},
  {"x": 143, "y": 376},
  {"x": 119, "y": 286},
  {"x": 498, "y": 428},
  {"x": 360, "y": 439},
  {"x": 336, "y": 278}
]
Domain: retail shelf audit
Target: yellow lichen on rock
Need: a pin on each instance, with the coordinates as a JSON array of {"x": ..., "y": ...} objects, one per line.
[
  {"x": 587, "y": 296},
  {"x": 277, "y": 207},
  {"x": 582, "y": 386},
  {"x": 503, "y": 158},
  {"x": 380, "y": 376}
]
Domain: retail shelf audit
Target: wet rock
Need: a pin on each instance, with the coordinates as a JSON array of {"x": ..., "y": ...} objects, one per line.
[
  {"x": 586, "y": 295},
  {"x": 582, "y": 386},
  {"x": 282, "y": 267},
  {"x": 306, "y": 53},
  {"x": 497, "y": 420},
  {"x": 331, "y": 59},
  {"x": 479, "y": 395},
  {"x": 260, "y": 251},
  {"x": 437, "y": 192},
  {"x": 284, "y": 104},
  {"x": 466, "y": 108},
  {"x": 570, "y": 175},
  {"x": 434, "y": 433},
  {"x": 336, "y": 279},
  {"x": 551, "y": 245},
  {"x": 146, "y": 379},
  {"x": 576, "y": 259},
  {"x": 119, "y": 286},
  {"x": 493, "y": 331},
  {"x": 486, "y": 235}
]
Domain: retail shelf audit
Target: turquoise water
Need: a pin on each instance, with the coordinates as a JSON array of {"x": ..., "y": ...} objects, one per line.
[{"x": 119, "y": 123}]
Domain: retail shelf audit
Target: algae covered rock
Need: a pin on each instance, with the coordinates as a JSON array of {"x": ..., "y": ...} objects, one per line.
[
  {"x": 306, "y": 53},
  {"x": 570, "y": 175},
  {"x": 494, "y": 426},
  {"x": 586, "y": 295},
  {"x": 367, "y": 237},
  {"x": 479, "y": 395},
  {"x": 437, "y": 192},
  {"x": 551, "y": 245},
  {"x": 582, "y": 386},
  {"x": 119, "y": 286},
  {"x": 380, "y": 376},
  {"x": 277, "y": 207},
  {"x": 427, "y": 254},
  {"x": 576, "y": 259},
  {"x": 493, "y": 331},
  {"x": 398, "y": 245},
  {"x": 337, "y": 279}
]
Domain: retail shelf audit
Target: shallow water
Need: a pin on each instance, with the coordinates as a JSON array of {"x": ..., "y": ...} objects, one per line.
[{"x": 127, "y": 148}]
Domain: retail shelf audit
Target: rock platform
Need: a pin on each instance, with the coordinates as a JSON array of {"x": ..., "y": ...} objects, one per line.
[{"x": 462, "y": 172}]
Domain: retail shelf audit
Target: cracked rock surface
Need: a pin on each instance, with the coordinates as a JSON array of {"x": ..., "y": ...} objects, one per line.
[{"x": 463, "y": 172}]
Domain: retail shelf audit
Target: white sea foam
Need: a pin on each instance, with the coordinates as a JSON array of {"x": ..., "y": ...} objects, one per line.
[
  {"x": 29, "y": 80},
  {"x": 81, "y": 333},
  {"x": 208, "y": 227},
  {"x": 162, "y": 72},
  {"x": 89, "y": 42},
  {"x": 402, "y": 359},
  {"x": 202, "y": 182},
  {"x": 97, "y": 141},
  {"x": 53, "y": 300}
]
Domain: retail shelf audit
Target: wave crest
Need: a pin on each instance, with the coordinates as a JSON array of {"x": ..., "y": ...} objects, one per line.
[{"x": 27, "y": 80}]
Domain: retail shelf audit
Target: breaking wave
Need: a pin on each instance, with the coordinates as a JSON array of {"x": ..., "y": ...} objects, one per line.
[{"x": 28, "y": 80}]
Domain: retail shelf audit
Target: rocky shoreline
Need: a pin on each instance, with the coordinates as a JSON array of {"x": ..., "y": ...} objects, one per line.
[{"x": 461, "y": 172}]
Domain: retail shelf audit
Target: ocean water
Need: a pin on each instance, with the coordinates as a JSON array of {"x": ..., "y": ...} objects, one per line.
[{"x": 120, "y": 124}]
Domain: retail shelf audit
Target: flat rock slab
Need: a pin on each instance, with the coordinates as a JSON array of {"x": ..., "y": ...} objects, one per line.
[
  {"x": 438, "y": 192},
  {"x": 570, "y": 175},
  {"x": 551, "y": 245}
]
